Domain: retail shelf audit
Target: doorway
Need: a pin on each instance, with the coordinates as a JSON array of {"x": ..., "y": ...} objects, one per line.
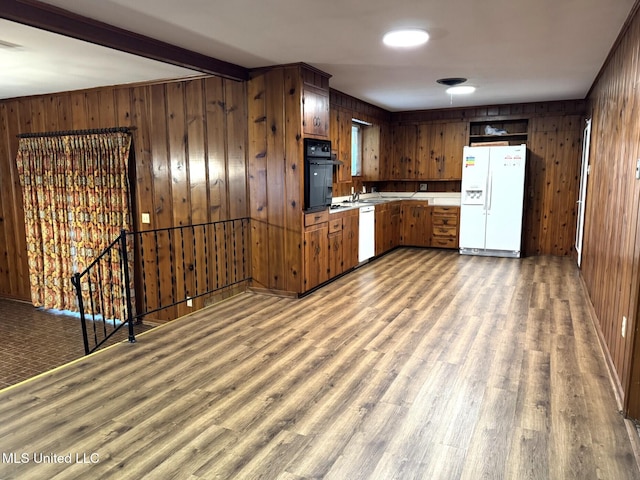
[{"x": 582, "y": 196}]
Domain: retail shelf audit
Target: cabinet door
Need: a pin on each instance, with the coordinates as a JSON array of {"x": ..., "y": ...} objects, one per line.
[
  {"x": 404, "y": 152},
  {"x": 315, "y": 111},
  {"x": 316, "y": 256},
  {"x": 335, "y": 254},
  {"x": 382, "y": 228},
  {"x": 416, "y": 225},
  {"x": 350, "y": 225},
  {"x": 429, "y": 151},
  {"x": 344, "y": 146},
  {"x": 396, "y": 213},
  {"x": 371, "y": 144},
  {"x": 455, "y": 139}
]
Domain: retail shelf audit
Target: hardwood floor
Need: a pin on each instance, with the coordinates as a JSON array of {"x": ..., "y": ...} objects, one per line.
[{"x": 420, "y": 365}]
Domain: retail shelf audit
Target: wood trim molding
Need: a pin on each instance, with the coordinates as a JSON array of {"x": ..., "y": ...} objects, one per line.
[{"x": 53, "y": 19}]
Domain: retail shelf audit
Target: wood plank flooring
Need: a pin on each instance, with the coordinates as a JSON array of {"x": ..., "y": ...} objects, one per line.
[{"x": 420, "y": 365}]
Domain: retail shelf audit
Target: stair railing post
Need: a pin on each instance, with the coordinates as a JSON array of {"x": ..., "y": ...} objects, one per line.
[
  {"x": 127, "y": 287},
  {"x": 83, "y": 321}
]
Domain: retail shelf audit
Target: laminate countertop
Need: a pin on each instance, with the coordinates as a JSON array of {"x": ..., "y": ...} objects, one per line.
[{"x": 368, "y": 199}]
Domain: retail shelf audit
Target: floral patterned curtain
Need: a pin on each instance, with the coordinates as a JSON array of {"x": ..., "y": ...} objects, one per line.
[{"x": 76, "y": 201}]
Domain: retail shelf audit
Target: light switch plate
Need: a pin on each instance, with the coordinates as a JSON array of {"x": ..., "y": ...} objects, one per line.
[{"x": 146, "y": 218}]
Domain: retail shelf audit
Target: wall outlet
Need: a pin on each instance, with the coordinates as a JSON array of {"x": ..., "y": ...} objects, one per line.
[
  {"x": 624, "y": 326},
  {"x": 146, "y": 218},
  {"x": 423, "y": 187},
  {"x": 189, "y": 302}
]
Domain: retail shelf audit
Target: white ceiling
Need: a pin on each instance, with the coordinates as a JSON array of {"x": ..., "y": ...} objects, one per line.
[{"x": 511, "y": 50}]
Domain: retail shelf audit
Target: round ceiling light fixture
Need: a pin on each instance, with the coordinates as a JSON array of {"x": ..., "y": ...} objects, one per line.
[
  {"x": 411, "y": 37},
  {"x": 461, "y": 90}
]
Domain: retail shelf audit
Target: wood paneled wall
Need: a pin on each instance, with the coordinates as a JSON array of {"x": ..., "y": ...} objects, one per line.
[
  {"x": 611, "y": 255},
  {"x": 553, "y": 171},
  {"x": 190, "y": 155},
  {"x": 276, "y": 178}
]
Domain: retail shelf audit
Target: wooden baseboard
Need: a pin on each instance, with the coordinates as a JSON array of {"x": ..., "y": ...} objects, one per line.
[
  {"x": 273, "y": 292},
  {"x": 613, "y": 375}
]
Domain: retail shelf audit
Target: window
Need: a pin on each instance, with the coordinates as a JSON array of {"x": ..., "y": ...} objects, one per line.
[{"x": 356, "y": 149}]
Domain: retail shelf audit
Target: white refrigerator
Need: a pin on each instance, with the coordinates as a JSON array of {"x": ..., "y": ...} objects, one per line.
[{"x": 491, "y": 201}]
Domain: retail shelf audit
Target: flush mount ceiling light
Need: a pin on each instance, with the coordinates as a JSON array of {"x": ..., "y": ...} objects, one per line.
[
  {"x": 461, "y": 90},
  {"x": 411, "y": 37}
]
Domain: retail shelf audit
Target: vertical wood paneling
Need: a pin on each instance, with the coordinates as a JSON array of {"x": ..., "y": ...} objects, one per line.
[
  {"x": 162, "y": 196},
  {"x": 276, "y": 171},
  {"x": 294, "y": 179},
  {"x": 9, "y": 281},
  {"x": 217, "y": 150},
  {"x": 64, "y": 113},
  {"x": 236, "y": 122},
  {"x": 180, "y": 198},
  {"x": 78, "y": 111},
  {"x": 195, "y": 122},
  {"x": 611, "y": 252},
  {"x": 181, "y": 166},
  {"x": 552, "y": 180},
  {"x": 93, "y": 108},
  {"x": 257, "y": 131}
]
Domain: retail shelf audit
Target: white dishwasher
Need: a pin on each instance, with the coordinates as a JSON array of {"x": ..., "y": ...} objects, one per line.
[{"x": 367, "y": 233}]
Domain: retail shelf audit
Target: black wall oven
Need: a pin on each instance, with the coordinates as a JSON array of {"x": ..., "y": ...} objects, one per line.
[{"x": 318, "y": 174}]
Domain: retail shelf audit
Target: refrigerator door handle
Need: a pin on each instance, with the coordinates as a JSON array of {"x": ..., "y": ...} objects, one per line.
[{"x": 489, "y": 191}]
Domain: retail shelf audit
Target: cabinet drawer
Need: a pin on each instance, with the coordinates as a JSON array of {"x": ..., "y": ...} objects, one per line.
[
  {"x": 316, "y": 218},
  {"x": 335, "y": 225},
  {"x": 449, "y": 220},
  {"x": 446, "y": 210},
  {"x": 444, "y": 242},
  {"x": 444, "y": 231}
]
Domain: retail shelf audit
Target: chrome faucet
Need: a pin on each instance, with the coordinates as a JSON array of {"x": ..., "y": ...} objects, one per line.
[{"x": 355, "y": 196}]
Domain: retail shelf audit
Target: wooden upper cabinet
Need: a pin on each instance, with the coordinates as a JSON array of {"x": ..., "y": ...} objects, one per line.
[
  {"x": 429, "y": 151},
  {"x": 341, "y": 143},
  {"x": 315, "y": 111},
  {"x": 404, "y": 152},
  {"x": 371, "y": 148},
  {"x": 455, "y": 138},
  {"x": 439, "y": 150}
]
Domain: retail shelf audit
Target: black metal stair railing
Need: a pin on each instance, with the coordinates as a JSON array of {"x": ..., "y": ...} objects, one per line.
[{"x": 169, "y": 267}]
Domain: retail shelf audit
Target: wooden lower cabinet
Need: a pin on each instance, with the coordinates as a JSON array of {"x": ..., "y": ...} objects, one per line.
[
  {"x": 395, "y": 219},
  {"x": 416, "y": 224},
  {"x": 331, "y": 240},
  {"x": 330, "y": 246},
  {"x": 316, "y": 249},
  {"x": 336, "y": 264},
  {"x": 445, "y": 227},
  {"x": 350, "y": 237},
  {"x": 387, "y": 227},
  {"x": 382, "y": 226}
]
